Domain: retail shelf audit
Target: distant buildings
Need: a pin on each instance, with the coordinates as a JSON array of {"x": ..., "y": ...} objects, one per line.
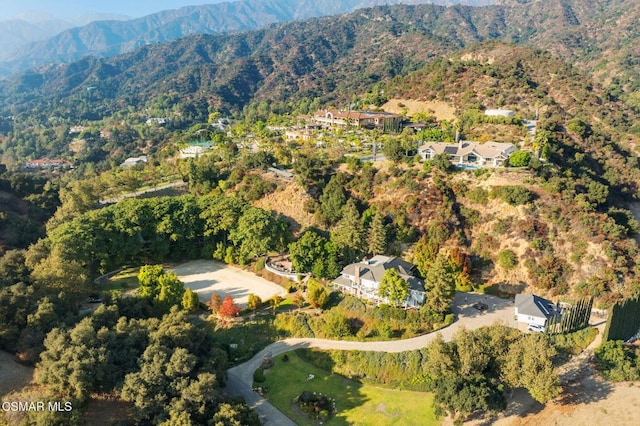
[
  {"x": 366, "y": 119},
  {"x": 76, "y": 129},
  {"x": 469, "y": 154},
  {"x": 158, "y": 121},
  {"x": 281, "y": 173},
  {"x": 196, "y": 149},
  {"x": 299, "y": 134},
  {"x": 499, "y": 113},
  {"x": 362, "y": 279},
  {"x": 134, "y": 161},
  {"x": 47, "y": 163}
]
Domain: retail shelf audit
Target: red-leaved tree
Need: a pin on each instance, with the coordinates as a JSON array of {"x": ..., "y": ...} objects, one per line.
[{"x": 228, "y": 308}]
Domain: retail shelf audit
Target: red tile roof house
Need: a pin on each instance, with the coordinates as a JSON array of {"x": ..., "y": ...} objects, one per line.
[
  {"x": 470, "y": 154},
  {"x": 342, "y": 118},
  {"x": 362, "y": 279}
]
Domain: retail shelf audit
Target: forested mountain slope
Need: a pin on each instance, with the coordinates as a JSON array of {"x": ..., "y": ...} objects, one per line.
[
  {"x": 337, "y": 55},
  {"x": 107, "y": 38}
]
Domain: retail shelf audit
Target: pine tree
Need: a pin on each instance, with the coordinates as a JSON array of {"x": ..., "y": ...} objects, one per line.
[
  {"x": 377, "y": 235},
  {"x": 440, "y": 285},
  {"x": 190, "y": 301},
  {"x": 348, "y": 233}
]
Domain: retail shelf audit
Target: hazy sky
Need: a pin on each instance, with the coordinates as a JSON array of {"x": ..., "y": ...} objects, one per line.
[{"x": 75, "y": 8}]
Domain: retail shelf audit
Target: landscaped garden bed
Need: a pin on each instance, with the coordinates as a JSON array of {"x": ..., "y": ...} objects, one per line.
[{"x": 315, "y": 406}]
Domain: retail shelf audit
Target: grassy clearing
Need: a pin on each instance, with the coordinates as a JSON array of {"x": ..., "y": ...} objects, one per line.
[
  {"x": 125, "y": 280},
  {"x": 357, "y": 404},
  {"x": 247, "y": 337}
]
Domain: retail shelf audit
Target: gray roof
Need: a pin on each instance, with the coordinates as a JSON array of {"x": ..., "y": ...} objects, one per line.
[
  {"x": 343, "y": 281},
  {"x": 484, "y": 150},
  {"x": 374, "y": 269},
  {"x": 535, "y": 306}
]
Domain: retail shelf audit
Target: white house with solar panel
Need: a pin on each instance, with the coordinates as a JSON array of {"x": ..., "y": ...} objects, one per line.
[{"x": 534, "y": 310}]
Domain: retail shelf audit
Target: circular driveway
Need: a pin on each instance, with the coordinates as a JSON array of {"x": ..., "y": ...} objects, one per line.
[{"x": 206, "y": 277}]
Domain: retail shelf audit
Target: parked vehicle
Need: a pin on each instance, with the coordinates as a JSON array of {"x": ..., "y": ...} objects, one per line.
[{"x": 536, "y": 328}]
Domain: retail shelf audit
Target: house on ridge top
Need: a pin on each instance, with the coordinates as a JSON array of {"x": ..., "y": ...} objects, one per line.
[{"x": 469, "y": 154}]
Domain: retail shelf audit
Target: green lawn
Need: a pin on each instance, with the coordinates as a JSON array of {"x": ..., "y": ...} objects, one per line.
[
  {"x": 125, "y": 280},
  {"x": 250, "y": 336},
  {"x": 357, "y": 404}
]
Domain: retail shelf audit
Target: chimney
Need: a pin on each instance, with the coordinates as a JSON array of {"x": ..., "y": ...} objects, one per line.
[
  {"x": 458, "y": 141},
  {"x": 357, "y": 275}
]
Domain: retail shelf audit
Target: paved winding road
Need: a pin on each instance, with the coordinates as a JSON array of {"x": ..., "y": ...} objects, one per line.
[{"x": 240, "y": 378}]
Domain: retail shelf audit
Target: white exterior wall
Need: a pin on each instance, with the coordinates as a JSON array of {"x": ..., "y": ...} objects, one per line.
[
  {"x": 541, "y": 321},
  {"x": 369, "y": 284},
  {"x": 499, "y": 113}
]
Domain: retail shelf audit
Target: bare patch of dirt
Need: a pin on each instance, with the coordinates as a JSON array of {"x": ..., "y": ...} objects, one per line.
[
  {"x": 441, "y": 110},
  {"x": 106, "y": 411},
  {"x": 381, "y": 408},
  {"x": 587, "y": 399},
  {"x": 289, "y": 202},
  {"x": 13, "y": 376},
  {"x": 505, "y": 178},
  {"x": 591, "y": 402}
]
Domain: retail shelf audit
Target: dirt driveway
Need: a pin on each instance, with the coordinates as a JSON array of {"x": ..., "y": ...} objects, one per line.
[{"x": 208, "y": 276}]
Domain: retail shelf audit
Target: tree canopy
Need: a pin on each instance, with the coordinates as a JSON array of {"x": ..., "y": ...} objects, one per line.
[
  {"x": 393, "y": 287},
  {"x": 314, "y": 253}
]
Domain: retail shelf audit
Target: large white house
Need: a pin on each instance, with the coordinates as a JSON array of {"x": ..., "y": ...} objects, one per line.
[
  {"x": 362, "y": 279},
  {"x": 470, "y": 154},
  {"x": 534, "y": 310}
]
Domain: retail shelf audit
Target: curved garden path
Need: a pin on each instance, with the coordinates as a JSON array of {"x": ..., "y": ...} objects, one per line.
[{"x": 240, "y": 378}]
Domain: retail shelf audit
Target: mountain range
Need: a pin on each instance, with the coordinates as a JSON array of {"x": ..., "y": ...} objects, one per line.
[
  {"x": 334, "y": 56},
  {"x": 111, "y": 37},
  {"x": 28, "y": 28}
]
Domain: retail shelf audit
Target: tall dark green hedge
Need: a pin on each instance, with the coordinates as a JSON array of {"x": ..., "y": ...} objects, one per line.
[
  {"x": 624, "y": 320},
  {"x": 574, "y": 318}
]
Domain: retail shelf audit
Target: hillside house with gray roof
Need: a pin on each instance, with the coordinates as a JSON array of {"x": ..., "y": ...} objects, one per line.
[
  {"x": 362, "y": 279},
  {"x": 534, "y": 310}
]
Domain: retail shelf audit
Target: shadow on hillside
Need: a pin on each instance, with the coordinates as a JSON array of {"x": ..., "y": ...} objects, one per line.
[
  {"x": 588, "y": 390},
  {"x": 519, "y": 404},
  {"x": 200, "y": 285}
]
